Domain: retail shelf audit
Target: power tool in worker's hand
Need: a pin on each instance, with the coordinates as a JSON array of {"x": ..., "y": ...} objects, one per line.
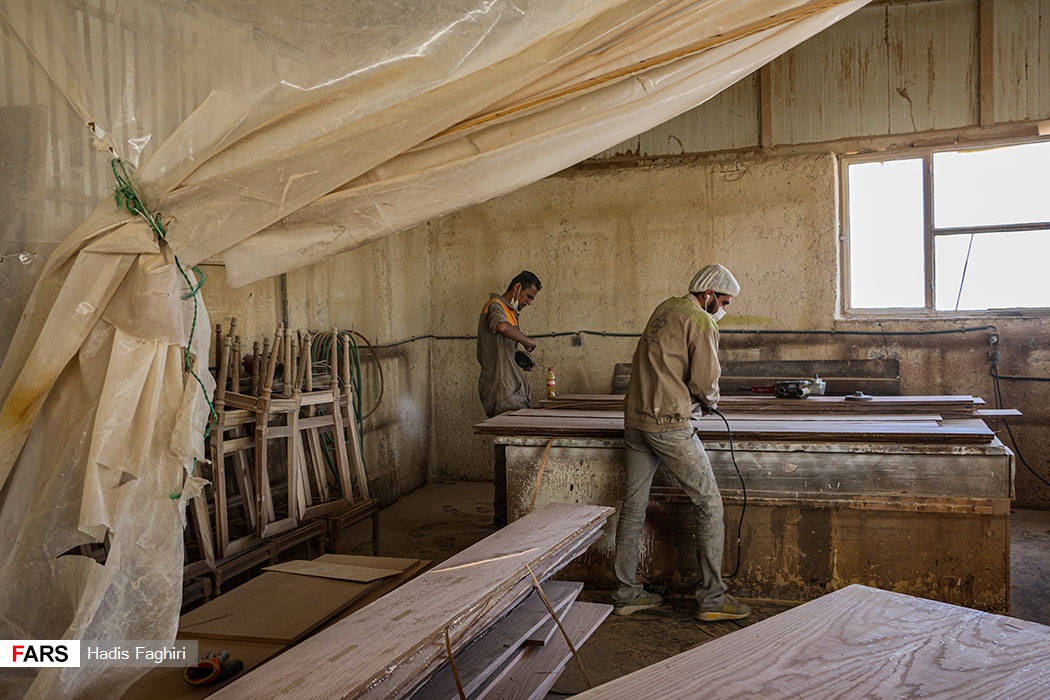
[{"x": 793, "y": 388}]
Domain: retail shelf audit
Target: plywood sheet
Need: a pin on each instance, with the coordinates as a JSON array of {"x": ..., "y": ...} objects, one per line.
[
  {"x": 361, "y": 574},
  {"x": 273, "y": 607},
  {"x": 571, "y": 424},
  {"x": 392, "y": 563},
  {"x": 858, "y": 642},
  {"x": 282, "y": 607},
  {"x": 168, "y": 683},
  {"x": 948, "y": 406},
  {"x": 715, "y": 420}
]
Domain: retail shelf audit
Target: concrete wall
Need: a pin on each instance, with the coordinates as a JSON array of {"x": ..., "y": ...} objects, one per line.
[{"x": 611, "y": 244}]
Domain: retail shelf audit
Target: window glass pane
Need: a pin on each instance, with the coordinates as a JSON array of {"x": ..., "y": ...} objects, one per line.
[
  {"x": 1005, "y": 185},
  {"x": 885, "y": 234},
  {"x": 1002, "y": 271}
]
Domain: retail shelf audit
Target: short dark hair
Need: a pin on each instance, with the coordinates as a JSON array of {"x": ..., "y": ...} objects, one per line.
[{"x": 527, "y": 279}]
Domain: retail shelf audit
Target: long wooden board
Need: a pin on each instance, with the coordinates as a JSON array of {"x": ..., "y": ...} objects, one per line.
[
  {"x": 954, "y": 406},
  {"x": 846, "y": 418},
  {"x": 387, "y": 648},
  {"x": 954, "y": 432},
  {"x": 856, "y": 642}
]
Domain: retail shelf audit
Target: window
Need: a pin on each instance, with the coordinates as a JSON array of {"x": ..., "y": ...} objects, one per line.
[{"x": 946, "y": 231}]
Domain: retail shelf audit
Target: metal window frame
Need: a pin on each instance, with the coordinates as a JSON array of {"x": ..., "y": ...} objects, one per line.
[{"x": 930, "y": 233}]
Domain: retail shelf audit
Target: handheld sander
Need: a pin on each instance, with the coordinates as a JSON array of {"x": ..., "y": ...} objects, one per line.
[
  {"x": 524, "y": 360},
  {"x": 793, "y": 388}
]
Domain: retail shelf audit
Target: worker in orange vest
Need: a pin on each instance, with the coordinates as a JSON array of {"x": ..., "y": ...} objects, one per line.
[{"x": 502, "y": 385}]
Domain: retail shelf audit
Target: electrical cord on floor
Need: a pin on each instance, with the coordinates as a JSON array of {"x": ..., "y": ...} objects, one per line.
[{"x": 743, "y": 488}]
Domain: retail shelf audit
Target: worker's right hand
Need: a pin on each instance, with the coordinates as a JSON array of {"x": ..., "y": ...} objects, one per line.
[{"x": 529, "y": 344}]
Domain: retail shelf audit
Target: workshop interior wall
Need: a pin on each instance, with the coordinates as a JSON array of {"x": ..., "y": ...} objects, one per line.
[{"x": 611, "y": 244}]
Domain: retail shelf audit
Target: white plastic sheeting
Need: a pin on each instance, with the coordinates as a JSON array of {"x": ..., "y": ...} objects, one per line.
[{"x": 276, "y": 134}]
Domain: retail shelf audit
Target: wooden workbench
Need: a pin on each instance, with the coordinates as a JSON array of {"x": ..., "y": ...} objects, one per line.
[{"x": 922, "y": 510}]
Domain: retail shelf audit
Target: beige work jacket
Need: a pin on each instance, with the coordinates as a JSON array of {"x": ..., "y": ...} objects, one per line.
[{"x": 675, "y": 365}]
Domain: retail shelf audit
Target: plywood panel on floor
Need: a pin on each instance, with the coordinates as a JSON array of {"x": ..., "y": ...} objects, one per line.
[{"x": 857, "y": 642}]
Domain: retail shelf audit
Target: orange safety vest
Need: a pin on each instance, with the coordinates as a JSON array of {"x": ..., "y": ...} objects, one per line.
[{"x": 512, "y": 315}]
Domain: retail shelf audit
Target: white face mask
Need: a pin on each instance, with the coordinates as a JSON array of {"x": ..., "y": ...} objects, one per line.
[
  {"x": 514, "y": 303},
  {"x": 718, "y": 313}
]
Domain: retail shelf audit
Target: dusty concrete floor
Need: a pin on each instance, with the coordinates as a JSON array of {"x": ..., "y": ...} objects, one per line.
[{"x": 440, "y": 520}]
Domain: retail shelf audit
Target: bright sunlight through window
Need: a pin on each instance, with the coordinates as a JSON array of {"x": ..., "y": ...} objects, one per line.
[{"x": 984, "y": 246}]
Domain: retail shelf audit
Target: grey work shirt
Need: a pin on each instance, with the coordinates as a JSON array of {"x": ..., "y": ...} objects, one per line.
[
  {"x": 502, "y": 385},
  {"x": 675, "y": 365}
]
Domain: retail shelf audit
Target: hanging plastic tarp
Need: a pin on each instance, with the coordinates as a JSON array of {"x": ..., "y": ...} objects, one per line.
[{"x": 275, "y": 134}]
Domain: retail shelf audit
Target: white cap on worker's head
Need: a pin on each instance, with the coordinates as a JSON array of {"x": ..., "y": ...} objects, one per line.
[{"x": 716, "y": 278}]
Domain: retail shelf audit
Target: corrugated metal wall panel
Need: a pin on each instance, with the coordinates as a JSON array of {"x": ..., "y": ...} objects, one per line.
[
  {"x": 834, "y": 85},
  {"x": 1021, "y": 65},
  {"x": 888, "y": 69},
  {"x": 934, "y": 65},
  {"x": 727, "y": 121},
  {"x": 891, "y": 68}
]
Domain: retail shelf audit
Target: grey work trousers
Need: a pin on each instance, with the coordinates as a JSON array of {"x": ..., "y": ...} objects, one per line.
[{"x": 684, "y": 456}]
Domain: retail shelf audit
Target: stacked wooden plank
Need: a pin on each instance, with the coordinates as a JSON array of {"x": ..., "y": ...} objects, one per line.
[
  {"x": 950, "y": 406},
  {"x": 521, "y": 656},
  {"x": 855, "y": 642},
  {"x": 840, "y": 376},
  {"x": 391, "y": 647},
  {"x": 788, "y": 426}
]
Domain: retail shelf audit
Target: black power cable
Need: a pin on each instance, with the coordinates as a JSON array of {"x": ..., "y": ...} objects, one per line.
[
  {"x": 743, "y": 488},
  {"x": 994, "y": 371},
  {"x": 740, "y": 523},
  {"x": 724, "y": 331}
]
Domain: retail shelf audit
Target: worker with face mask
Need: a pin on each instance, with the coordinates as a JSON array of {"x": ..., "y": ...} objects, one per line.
[
  {"x": 675, "y": 368},
  {"x": 502, "y": 385}
]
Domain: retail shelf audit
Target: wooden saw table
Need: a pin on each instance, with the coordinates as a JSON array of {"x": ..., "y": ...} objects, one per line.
[{"x": 900, "y": 498}]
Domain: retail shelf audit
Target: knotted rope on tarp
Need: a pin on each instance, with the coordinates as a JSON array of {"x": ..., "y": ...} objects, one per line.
[{"x": 128, "y": 198}]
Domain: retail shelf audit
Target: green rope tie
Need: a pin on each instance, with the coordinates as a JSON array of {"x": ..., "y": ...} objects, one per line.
[{"x": 127, "y": 198}]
